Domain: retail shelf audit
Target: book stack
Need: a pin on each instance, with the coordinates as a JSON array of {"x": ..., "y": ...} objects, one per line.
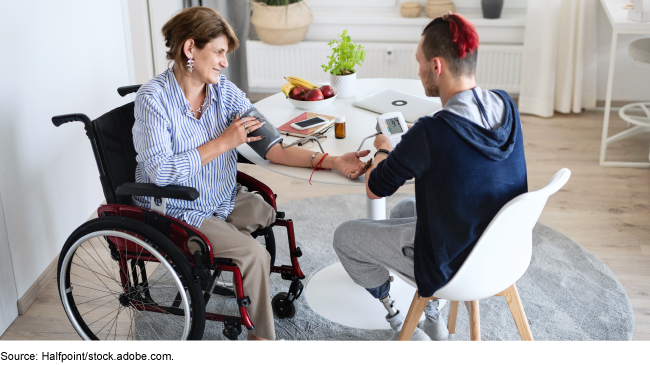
[{"x": 287, "y": 130}]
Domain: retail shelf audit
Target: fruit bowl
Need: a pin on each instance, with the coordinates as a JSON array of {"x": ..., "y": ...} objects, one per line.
[{"x": 314, "y": 105}]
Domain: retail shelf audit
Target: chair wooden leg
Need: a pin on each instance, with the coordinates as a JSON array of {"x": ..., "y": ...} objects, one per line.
[
  {"x": 518, "y": 314},
  {"x": 413, "y": 316},
  {"x": 453, "y": 314},
  {"x": 475, "y": 321}
]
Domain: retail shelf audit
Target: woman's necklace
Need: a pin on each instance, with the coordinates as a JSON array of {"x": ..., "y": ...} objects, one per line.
[
  {"x": 197, "y": 111},
  {"x": 200, "y": 108}
]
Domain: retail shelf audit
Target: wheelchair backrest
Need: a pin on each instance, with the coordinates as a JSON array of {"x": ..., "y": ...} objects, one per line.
[{"x": 115, "y": 151}]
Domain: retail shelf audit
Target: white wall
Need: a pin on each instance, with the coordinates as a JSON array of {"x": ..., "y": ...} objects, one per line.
[
  {"x": 160, "y": 11},
  {"x": 60, "y": 57},
  {"x": 631, "y": 82},
  {"x": 141, "y": 40}
]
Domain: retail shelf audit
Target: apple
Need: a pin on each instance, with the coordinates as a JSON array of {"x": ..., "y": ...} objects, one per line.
[
  {"x": 314, "y": 95},
  {"x": 299, "y": 93},
  {"x": 327, "y": 91}
]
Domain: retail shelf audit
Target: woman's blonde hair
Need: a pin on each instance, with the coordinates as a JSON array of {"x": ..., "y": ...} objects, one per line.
[{"x": 200, "y": 24}]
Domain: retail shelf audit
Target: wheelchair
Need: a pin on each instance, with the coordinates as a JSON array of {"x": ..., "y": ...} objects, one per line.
[{"x": 137, "y": 274}]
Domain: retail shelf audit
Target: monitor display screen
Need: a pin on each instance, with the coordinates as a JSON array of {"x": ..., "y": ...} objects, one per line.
[{"x": 393, "y": 126}]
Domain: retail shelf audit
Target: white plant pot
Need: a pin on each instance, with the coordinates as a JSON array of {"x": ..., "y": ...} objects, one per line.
[{"x": 345, "y": 84}]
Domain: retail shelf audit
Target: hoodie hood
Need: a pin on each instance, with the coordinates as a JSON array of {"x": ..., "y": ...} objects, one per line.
[{"x": 495, "y": 144}]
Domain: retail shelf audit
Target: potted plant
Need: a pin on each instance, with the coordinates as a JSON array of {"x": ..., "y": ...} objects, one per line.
[
  {"x": 345, "y": 56},
  {"x": 281, "y": 21}
]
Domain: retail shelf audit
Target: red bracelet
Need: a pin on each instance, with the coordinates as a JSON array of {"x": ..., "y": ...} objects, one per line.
[{"x": 316, "y": 167}]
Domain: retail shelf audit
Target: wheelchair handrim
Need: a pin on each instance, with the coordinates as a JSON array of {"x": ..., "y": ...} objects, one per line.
[{"x": 63, "y": 290}]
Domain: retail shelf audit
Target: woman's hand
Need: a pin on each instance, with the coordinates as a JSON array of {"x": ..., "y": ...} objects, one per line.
[
  {"x": 232, "y": 137},
  {"x": 237, "y": 132},
  {"x": 351, "y": 166},
  {"x": 382, "y": 141}
]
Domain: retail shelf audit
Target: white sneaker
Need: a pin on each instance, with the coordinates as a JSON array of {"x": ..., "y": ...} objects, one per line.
[
  {"x": 397, "y": 321},
  {"x": 434, "y": 325}
]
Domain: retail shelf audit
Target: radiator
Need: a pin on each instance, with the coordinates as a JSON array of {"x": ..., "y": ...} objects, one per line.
[{"x": 498, "y": 67}]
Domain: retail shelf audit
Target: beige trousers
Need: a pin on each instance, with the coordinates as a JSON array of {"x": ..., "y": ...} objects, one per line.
[{"x": 231, "y": 239}]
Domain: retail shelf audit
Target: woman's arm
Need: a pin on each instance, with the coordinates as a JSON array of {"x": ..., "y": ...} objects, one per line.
[
  {"x": 152, "y": 142},
  {"x": 233, "y": 136},
  {"x": 348, "y": 164}
]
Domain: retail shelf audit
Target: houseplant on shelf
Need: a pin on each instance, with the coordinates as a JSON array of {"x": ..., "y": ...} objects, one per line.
[
  {"x": 281, "y": 21},
  {"x": 345, "y": 56}
]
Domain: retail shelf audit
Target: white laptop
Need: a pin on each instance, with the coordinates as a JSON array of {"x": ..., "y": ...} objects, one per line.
[{"x": 412, "y": 107}]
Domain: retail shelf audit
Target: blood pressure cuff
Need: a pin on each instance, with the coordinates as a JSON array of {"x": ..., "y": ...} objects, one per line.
[{"x": 271, "y": 135}]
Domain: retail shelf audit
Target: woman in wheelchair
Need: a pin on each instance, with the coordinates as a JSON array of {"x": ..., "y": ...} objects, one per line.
[{"x": 187, "y": 126}]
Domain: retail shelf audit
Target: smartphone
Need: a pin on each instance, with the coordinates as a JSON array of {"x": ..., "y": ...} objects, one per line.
[{"x": 309, "y": 123}]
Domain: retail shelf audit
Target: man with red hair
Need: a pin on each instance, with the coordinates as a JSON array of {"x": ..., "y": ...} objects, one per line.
[{"x": 467, "y": 161}]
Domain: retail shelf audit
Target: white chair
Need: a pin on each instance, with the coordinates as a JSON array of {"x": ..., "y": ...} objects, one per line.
[
  {"x": 499, "y": 258},
  {"x": 637, "y": 114}
]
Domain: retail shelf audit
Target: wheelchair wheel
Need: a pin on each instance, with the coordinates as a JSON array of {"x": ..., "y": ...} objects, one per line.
[{"x": 120, "y": 279}]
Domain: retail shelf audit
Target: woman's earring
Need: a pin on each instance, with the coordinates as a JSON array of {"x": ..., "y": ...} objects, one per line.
[{"x": 190, "y": 64}]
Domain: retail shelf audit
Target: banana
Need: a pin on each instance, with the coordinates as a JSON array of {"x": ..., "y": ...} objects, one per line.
[
  {"x": 286, "y": 88},
  {"x": 298, "y": 81}
]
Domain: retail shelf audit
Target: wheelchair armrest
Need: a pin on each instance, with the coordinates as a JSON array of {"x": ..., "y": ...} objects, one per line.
[
  {"x": 255, "y": 185},
  {"x": 152, "y": 190}
]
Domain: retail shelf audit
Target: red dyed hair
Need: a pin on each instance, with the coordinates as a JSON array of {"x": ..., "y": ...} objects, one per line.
[
  {"x": 453, "y": 38},
  {"x": 463, "y": 34}
]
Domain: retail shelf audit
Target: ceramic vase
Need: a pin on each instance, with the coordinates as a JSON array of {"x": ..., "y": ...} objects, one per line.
[{"x": 345, "y": 84}]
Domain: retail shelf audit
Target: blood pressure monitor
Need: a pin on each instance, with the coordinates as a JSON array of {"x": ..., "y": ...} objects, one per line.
[{"x": 393, "y": 126}]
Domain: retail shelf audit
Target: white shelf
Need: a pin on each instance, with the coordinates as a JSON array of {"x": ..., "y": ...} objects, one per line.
[
  {"x": 393, "y": 17},
  {"x": 387, "y": 25}
]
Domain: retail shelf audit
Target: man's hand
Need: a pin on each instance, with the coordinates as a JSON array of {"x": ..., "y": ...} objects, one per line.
[
  {"x": 351, "y": 166},
  {"x": 382, "y": 141}
]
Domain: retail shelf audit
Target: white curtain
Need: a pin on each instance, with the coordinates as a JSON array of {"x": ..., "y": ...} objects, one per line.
[{"x": 559, "y": 61}]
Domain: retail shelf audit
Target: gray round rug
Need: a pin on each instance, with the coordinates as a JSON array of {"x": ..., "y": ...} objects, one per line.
[{"x": 567, "y": 292}]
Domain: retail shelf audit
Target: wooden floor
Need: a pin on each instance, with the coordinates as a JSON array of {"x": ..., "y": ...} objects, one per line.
[{"x": 607, "y": 210}]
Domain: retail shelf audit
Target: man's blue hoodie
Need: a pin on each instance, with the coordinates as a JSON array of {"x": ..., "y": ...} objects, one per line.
[{"x": 464, "y": 174}]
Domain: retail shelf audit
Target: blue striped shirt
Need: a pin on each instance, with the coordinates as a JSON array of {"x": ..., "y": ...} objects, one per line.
[{"x": 166, "y": 137}]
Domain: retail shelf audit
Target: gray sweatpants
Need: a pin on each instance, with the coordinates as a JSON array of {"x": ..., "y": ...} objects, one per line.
[{"x": 368, "y": 248}]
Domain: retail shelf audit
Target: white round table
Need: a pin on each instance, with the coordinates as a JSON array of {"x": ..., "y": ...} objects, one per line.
[
  {"x": 331, "y": 292},
  {"x": 359, "y": 123}
]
